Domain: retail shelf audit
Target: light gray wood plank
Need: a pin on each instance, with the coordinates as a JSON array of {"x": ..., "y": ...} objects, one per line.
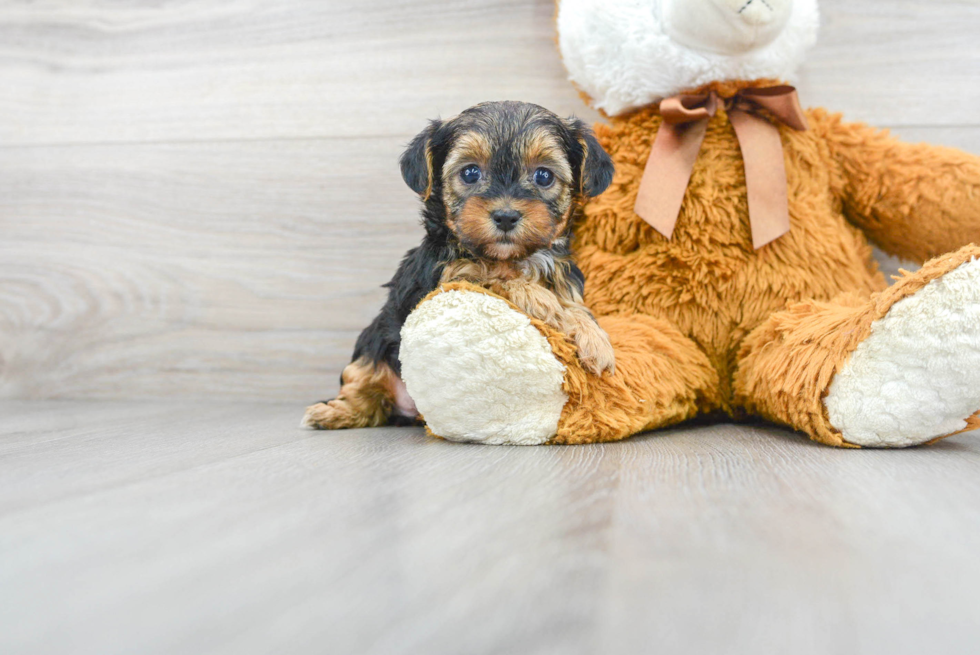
[
  {"x": 231, "y": 69},
  {"x": 90, "y": 447},
  {"x": 233, "y": 269},
  {"x": 896, "y": 63},
  {"x": 723, "y": 538},
  {"x": 964, "y": 138},
  {"x": 774, "y": 544},
  {"x": 234, "y": 69}
]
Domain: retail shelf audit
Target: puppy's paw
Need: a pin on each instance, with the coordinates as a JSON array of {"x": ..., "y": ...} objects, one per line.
[
  {"x": 594, "y": 349},
  {"x": 335, "y": 414},
  {"x": 535, "y": 301}
]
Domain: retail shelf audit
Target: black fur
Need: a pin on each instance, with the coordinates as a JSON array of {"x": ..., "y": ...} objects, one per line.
[
  {"x": 421, "y": 165},
  {"x": 414, "y": 161},
  {"x": 417, "y": 275},
  {"x": 577, "y": 278},
  {"x": 589, "y": 159}
]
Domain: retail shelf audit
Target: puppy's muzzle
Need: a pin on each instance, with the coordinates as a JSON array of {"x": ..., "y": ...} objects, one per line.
[{"x": 505, "y": 219}]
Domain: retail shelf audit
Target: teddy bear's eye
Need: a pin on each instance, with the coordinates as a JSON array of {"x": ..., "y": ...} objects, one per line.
[
  {"x": 471, "y": 174},
  {"x": 544, "y": 178}
]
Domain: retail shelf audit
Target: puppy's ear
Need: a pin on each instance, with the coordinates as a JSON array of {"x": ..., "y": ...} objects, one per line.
[
  {"x": 416, "y": 161},
  {"x": 595, "y": 166}
]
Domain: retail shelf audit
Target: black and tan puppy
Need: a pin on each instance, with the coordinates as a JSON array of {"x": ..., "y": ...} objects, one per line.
[{"x": 501, "y": 185}]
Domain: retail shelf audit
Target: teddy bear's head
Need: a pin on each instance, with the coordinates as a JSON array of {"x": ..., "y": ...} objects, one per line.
[{"x": 628, "y": 53}]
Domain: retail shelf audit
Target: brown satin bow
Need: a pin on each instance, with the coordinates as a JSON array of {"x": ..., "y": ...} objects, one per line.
[{"x": 685, "y": 122}]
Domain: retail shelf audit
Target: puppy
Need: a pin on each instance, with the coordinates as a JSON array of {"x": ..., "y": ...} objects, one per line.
[{"x": 501, "y": 186}]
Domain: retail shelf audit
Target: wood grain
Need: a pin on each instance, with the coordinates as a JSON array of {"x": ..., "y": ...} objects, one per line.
[
  {"x": 232, "y": 69},
  {"x": 899, "y": 63},
  {"x": 236, "y": 269},
  {"x": 203, "y": 198},
  {"x": 236, "y": 69},
  {"x": 191, "y": 528}
]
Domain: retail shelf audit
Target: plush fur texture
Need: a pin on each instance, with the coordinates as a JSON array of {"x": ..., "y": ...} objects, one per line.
[
  {"x": 801, "y": 331},
  {"x": 749, "y": 332},
  {"x": 790, "y": 363},
  {"x": 917, "y": 374},
  {"x": 622, "y": 55},
  {"x": 512, "y": 388},
  {"x": 478, "y": 373},
  {"x": 710, "y": 283}
]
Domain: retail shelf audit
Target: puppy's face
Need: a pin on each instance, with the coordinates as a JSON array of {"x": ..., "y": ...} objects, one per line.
[
  {"x": 507, "y": 187},
  {"x": 508, "y": 175}
]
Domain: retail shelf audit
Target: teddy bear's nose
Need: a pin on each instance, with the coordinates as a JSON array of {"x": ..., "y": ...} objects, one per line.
[{"x": 754, "y": 12}]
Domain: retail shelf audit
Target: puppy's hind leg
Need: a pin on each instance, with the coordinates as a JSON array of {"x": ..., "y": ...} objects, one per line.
[{"x": 366, "y": 398}]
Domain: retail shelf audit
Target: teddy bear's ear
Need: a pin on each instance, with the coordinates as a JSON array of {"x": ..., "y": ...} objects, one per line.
[
  {"x": 416, "y": 161},
  {"x": 595, "y": 166}
]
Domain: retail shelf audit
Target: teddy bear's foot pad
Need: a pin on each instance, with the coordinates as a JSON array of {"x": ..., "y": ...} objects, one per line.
[
  {"x": 917, "y": 376},
  {"x": 478, "y": 370}
]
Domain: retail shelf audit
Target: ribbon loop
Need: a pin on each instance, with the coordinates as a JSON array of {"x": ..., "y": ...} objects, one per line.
[
  {"x": 678, "y": 141},
  {"x": 780, "y": 101},
  {"x": 685, "y": 109}
]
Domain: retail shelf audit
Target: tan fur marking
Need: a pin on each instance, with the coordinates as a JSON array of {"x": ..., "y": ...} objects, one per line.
[
  {"x": 473, "y": 225},
  {"x": 470, "y": 147},
  {"x": 431, "y": 172},
  {"x": 585, "y": 159},
  {"x": 365, "y": 400},
  {"x": 479, "y": 272},
  {"x": 537, "y": 229},
  {"x": 542, "y": 148}
]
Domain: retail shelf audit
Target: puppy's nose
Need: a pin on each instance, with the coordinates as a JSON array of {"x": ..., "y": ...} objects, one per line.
[{"x": 505, "y": 219}]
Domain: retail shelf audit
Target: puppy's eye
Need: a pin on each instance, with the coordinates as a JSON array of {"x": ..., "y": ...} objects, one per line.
[
  {"x": 471, "y": 174},
  {"x": 544, "y": 178}
]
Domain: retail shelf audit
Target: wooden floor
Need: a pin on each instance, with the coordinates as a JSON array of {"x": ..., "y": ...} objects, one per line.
[{"x": 223, "y": 528}]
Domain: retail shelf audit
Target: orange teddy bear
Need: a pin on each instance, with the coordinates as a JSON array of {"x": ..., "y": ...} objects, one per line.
[{"x": 730, "y": 279}]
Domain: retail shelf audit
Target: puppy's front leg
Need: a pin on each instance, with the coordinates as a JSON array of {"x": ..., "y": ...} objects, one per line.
[
  {"x": 594, "y": 348},
  {"x": 534, "y": 300},
  {"x": 366, "y": 398}
]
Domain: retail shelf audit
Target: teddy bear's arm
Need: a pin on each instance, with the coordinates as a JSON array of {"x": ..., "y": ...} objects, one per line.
[{"x": 916, "y": 201}]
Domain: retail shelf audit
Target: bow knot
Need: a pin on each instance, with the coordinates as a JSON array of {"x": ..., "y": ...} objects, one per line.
[{"x": 678, "y": 141}]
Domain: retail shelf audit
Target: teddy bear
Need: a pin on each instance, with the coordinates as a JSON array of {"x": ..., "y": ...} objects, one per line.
[{"x": 730, "y": 259}]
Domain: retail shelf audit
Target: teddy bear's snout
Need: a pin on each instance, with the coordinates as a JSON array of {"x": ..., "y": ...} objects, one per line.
[{"x": 756, "y": 12}]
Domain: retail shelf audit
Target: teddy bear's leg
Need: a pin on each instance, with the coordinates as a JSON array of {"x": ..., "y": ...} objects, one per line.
[
  {"x": 480, "y": 370},
  {"x": 897, "y": 369}
]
